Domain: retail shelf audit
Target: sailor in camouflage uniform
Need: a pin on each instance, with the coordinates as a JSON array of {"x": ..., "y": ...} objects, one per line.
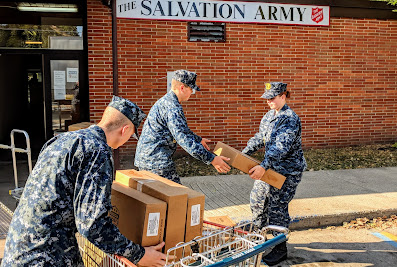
[
  {"x": 166, "y": 126},
  {"x": 280, "y": 134},
  {"x": 69, "y": 190}
]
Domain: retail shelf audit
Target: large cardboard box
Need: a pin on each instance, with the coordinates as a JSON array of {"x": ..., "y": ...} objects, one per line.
[
  {"x": 175, "y": 198},
  {"x": 195, "y": 207},
  {"x": 139, "y": 217},
  {"x": 244, "y": 163},
  {"x": 80, "y": 125}
]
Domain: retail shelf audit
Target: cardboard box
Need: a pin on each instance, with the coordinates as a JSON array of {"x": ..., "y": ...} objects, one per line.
[
  {"x": 195, "y": 210},
  {"x": 79, "y": 126},
  {"x": 139, "y": 217},
  {"x": 195, "y": 206},
  {"x": 244, "y": 163},
  {"x": 175, "y": 198},
  {"x": 222, "y": 220}
]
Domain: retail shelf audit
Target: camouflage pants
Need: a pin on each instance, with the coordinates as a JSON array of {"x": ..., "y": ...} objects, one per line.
[
  {"x": 269, "y": 205},
  {"x": 170, "y": 174}
]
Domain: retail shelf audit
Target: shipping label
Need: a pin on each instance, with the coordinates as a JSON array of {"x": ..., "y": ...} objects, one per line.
[
  {"x": 153, "y": 224},
  {"x": 195, "y": 215}
]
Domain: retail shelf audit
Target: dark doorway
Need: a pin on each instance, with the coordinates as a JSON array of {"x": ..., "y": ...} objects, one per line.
[
  {"x": 21, "y": 100},
  {"x": 43, "y": 70}
]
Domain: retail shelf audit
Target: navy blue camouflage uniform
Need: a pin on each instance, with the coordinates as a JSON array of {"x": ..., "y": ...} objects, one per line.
[
  {"x": 165, "y": 128},
  {"x": 68, "y": 191},
  {"x": 280, "y": 134}
]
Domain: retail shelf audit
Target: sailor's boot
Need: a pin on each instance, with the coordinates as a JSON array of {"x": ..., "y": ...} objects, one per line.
[{"x": 277, "y": 255}]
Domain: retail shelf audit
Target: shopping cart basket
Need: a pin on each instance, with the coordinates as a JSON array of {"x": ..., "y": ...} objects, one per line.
[
  {"x": 94, "y": 257},
  {"x": 241, "y": 245}
]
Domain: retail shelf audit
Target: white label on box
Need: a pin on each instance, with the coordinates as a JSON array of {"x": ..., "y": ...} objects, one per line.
[
  {"x": 153, "y": 224},
  {"x": 195, "y": 215}
]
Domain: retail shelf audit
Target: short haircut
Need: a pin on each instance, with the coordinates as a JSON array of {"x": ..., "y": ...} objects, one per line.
[
  {"x": 175, "y": 84},
  {"x": 113, "y": 119}
]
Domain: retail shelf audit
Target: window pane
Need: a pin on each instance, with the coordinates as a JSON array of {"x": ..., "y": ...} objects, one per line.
[{"x": 41, "y": 36}]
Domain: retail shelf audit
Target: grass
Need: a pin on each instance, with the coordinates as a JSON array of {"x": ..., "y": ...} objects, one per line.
[{"x": 368, "y": 156}]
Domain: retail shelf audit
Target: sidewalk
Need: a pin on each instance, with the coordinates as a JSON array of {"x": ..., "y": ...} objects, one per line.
[{"x": 323, "y": 197}]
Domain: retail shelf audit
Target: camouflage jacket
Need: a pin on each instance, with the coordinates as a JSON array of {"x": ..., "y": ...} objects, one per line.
[
  {"x": 68, "y": 191},
  {"x": 164, "y": 128},
  {"x": 280, "y": 134}
]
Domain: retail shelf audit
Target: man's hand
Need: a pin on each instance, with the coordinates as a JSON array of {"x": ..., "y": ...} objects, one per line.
[
  {"x": 257, "y": 172},
  {"x": 204, "y": 142},
  {"x": 153, "y": 257},
  {"x": 220, "y": 165}
]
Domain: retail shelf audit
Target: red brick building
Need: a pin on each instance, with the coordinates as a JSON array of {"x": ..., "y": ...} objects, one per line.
[{"x": 342, "y": 77}]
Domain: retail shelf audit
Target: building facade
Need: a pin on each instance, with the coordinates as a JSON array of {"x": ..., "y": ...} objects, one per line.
[{"x": 341, "y": 75}]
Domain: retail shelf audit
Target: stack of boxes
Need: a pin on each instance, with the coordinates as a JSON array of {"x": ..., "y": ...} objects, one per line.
[{"x": 148, "y": 209}]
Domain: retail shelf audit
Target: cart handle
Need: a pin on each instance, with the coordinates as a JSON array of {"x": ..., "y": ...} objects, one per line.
[
  {"x": 240, "y": 257},
  {"x": 125, "y": 261},
  {"x": 226, "y": 227}
]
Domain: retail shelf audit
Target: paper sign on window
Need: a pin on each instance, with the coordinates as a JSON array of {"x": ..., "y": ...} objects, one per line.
[
  {"x": 59, "y": 85},
  {"x": 72, "y": 75}
]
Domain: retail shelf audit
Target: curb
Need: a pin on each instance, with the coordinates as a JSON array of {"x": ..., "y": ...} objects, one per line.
[{"x": 319, "y": 221}]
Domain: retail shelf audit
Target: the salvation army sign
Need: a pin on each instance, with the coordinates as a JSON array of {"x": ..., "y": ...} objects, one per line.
[{"x": 224, "y": 11}]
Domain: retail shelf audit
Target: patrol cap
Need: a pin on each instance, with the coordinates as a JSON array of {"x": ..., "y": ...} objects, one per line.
[
  {"x": 273, "y": 89},
  {"x": 186, "y": 77},
  {"x": 130, "y": 110}
]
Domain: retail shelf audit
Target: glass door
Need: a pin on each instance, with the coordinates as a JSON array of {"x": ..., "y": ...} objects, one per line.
[{"x": 66, "y": 95}]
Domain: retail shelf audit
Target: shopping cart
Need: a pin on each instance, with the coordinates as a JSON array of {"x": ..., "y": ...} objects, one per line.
[
  {"x": 17, "y": 192},
  {"x": 94, "y": 257},
  {"x": 241, "y": 245}
]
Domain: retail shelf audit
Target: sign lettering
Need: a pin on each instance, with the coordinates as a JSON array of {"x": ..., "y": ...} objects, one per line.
[{"x": 224, "y": 11}]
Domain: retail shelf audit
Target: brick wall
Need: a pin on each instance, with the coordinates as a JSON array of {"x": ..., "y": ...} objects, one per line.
[{"x": 342, "y": 78}]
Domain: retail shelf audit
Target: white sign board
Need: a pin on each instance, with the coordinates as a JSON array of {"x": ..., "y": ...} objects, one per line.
[
  {"x": 169, "y": 80},
  {"x": 72, "y": 75},
  {"x": 59, "y": 85},
  {"x": 224, "y": 11}
]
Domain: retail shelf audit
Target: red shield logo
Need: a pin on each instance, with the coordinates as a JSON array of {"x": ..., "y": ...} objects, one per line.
[{"x": 317, "y": 14}]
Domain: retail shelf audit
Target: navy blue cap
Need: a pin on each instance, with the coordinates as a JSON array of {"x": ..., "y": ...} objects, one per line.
[
  {"x": 274, "y": 89},
  {"x": 130, "y": 110},
  {"x": 186, "y": 77}
]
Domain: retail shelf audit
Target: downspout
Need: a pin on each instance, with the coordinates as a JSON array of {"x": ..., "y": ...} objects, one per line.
[
  {"x": 112, "y": 5},
  {"x": 115, "y": 72}
]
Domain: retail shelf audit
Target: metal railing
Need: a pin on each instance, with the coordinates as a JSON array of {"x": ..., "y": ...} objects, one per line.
[{"x": 16, "y": 193}]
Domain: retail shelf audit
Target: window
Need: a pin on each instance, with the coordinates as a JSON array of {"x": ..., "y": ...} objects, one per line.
[{"x": 206, "y": 32}]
